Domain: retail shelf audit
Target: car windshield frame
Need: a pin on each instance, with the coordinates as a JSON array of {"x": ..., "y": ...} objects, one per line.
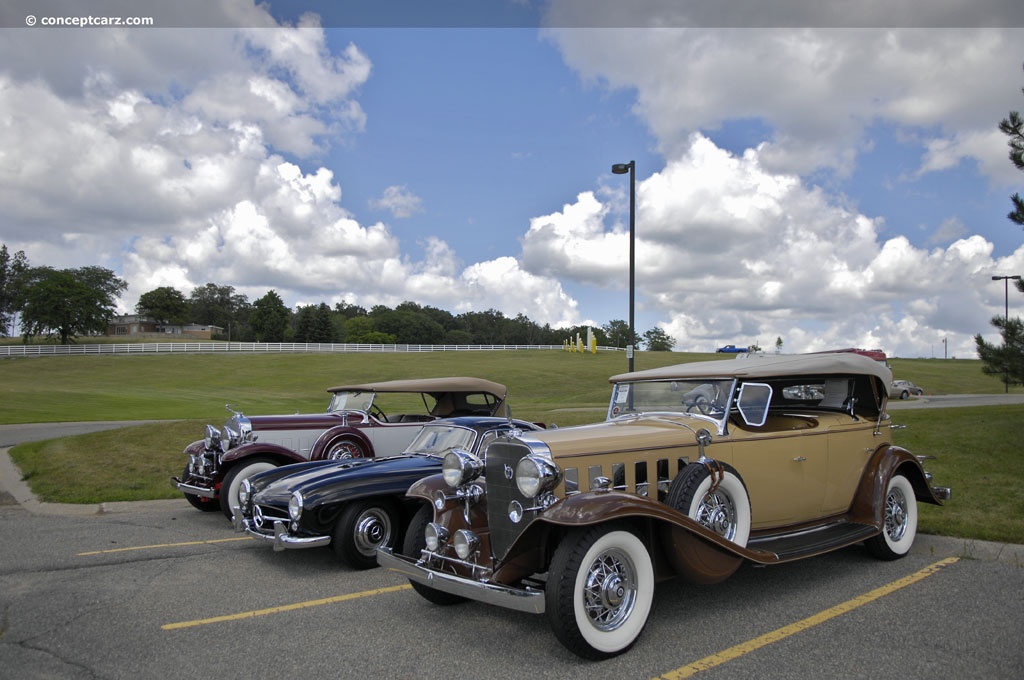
[
  {"x": 708, "y": 399},
  {"x": 351, "y": 400},
  {"x": 437, "y": 439}
]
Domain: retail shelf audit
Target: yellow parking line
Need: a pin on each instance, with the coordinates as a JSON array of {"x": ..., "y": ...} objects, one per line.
[
  {"x": 163, "y": 545},
  {"x": 285, "y": 608},
  {"x": 739, "y": 650}
]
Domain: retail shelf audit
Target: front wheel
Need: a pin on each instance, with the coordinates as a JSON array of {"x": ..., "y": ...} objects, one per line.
[
  {"x": 233, "y": 482},
  {"x": 362, "y": 528},
  {"x": 600, "y": 590},
  {"x": 899, "y": 521}
]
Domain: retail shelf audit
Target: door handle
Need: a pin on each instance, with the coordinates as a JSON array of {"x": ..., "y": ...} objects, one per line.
[{"x": 799, "y": 459}]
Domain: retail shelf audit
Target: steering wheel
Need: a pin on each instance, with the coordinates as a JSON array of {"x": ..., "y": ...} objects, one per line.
[
  {"x": 378, "y": 413},
  {"x": 702, "y": 404}
]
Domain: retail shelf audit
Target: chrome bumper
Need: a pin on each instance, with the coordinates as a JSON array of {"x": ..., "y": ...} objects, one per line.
[
  {"x": 192, "y": 489},
  {"x": 528, "y": 600},
  {"x": 281, "y": 539}
]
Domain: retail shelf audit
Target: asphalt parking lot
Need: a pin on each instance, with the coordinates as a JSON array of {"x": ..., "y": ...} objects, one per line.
[{"x": 160, "y": 590}]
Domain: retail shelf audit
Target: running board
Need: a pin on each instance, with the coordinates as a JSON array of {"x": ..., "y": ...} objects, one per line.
[{"x": 798, "y": 544}]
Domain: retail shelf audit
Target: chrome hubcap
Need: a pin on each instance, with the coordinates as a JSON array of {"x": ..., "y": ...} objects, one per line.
[
  {"x": 610, "y": 590},
  {"x": 895, "y": 514},
  {"x": 718, "y": 513},
  {"x": 373, "y": 528}
]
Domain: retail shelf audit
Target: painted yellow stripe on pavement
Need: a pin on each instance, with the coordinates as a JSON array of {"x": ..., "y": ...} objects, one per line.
[
  {"x": 285, "y": 608},
  {"x": 739, "y": 650},
  {"x": 163, "y": 545}
]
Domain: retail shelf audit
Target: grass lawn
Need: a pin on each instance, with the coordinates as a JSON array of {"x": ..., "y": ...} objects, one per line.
[{"x": 976, "y": 449}]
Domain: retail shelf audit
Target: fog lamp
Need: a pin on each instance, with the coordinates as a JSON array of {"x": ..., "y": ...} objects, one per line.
[
  {"x": 436, "y": 536},
  {"x": 465, "y": 542}
]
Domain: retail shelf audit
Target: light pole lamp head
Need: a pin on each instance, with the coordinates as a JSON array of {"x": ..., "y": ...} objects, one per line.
[{"x": 622, "y": 168}]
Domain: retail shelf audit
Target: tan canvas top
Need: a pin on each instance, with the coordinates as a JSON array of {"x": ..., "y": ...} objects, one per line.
[
  {"x": 755, "y": 366},
  {"x": 429, "y": 386}
]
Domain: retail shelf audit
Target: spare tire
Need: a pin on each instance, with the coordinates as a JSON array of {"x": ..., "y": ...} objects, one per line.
[{"x": 713, "y": 494}]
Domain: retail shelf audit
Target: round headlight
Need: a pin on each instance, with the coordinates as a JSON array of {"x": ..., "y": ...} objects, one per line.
[
  {"x": 436, "y": 536},
  {"x": 535, "y": 474},
  {"x": 460, "y": 467},
  {"x": 465, "y": 543},
  {"x": 244, "y": 491},
  {"x": 295, "y": 506},
  {"x": 212, "y": 440}
]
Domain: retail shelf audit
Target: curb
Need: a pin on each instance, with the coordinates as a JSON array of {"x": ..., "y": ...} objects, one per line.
[{"x": 14, "y": 491}]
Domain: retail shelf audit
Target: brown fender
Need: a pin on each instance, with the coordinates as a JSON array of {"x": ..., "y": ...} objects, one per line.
[
  {"x": 869, "y": 503},
  {"x": 693, "y": 551}
]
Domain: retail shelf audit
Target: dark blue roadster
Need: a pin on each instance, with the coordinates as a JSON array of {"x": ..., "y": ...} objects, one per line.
[{"x": 359, "y": 504}]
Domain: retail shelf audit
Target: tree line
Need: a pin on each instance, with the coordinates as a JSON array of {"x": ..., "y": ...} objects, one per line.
[{"x": 61, "y": 305}]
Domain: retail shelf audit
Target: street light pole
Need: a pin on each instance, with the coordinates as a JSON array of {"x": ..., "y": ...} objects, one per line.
[
  {"x": 622, "y": 169},
  {"x": 1006, "y": 311}
]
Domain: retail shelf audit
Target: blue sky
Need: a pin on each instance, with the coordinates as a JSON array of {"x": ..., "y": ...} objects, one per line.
[{"x": 826, "y": 185}]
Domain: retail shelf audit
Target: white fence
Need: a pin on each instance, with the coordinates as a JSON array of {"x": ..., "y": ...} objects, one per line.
[{"x": 250, "y": 347}]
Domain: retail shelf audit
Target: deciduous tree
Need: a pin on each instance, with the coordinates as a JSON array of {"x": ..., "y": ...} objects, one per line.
[
  {"x": 658, "y": 340},
  {"x": 13, "y": 272},
  {"x": 269, "y": 318},
  {"x": 67, "y": 303},
  {"x": 165, "y": 305}
]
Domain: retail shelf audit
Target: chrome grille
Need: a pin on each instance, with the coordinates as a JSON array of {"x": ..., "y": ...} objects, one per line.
[
  {"x": 502, "y": 458},
  {"x": 264, "y": 516}
]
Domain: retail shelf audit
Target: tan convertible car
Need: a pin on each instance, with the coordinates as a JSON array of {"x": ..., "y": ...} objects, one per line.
[{"x": 698, "y": 468}]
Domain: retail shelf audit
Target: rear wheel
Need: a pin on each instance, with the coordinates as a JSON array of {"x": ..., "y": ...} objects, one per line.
[
  {"x": 600, "y": 590},
  {"x": 362, "y": 528},
  {"x": 415, "y": 542},
  {"x": 899, "y": 521},
  {"x": 233, "y": 482}
]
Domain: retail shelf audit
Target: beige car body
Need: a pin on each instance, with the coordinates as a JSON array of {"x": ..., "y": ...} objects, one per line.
[{"x": 799, "y": 447}]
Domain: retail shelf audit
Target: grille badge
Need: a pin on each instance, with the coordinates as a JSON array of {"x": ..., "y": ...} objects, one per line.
[{"x": 509, "y": 472}]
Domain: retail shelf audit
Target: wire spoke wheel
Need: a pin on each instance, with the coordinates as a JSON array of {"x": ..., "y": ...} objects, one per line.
[
  {"x": 600, "y": 590},
  {"x": 717, "y": 512},
  {"x": 610, "y": 591}
]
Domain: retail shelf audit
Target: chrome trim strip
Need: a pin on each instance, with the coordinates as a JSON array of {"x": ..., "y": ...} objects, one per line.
[{"x": 529, "y": 600}]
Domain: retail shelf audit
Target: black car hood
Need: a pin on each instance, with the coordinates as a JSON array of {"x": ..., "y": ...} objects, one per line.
[{"x": 352, "y": 478}]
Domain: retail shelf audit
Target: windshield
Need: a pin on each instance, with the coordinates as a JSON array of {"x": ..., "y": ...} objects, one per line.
[
  {"x": 700, "y": 397},
  {"x": 437, "y": 440},
  {"x": 351, "y": 401}
]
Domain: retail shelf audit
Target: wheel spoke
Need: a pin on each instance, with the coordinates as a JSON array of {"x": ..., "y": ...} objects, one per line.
[
  {"x": 610, "y": 590},
  {"x": 895, "y": 514}
]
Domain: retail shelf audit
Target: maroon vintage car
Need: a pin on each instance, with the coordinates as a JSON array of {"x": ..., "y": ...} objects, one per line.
[{"x": 362, "y": 421}]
